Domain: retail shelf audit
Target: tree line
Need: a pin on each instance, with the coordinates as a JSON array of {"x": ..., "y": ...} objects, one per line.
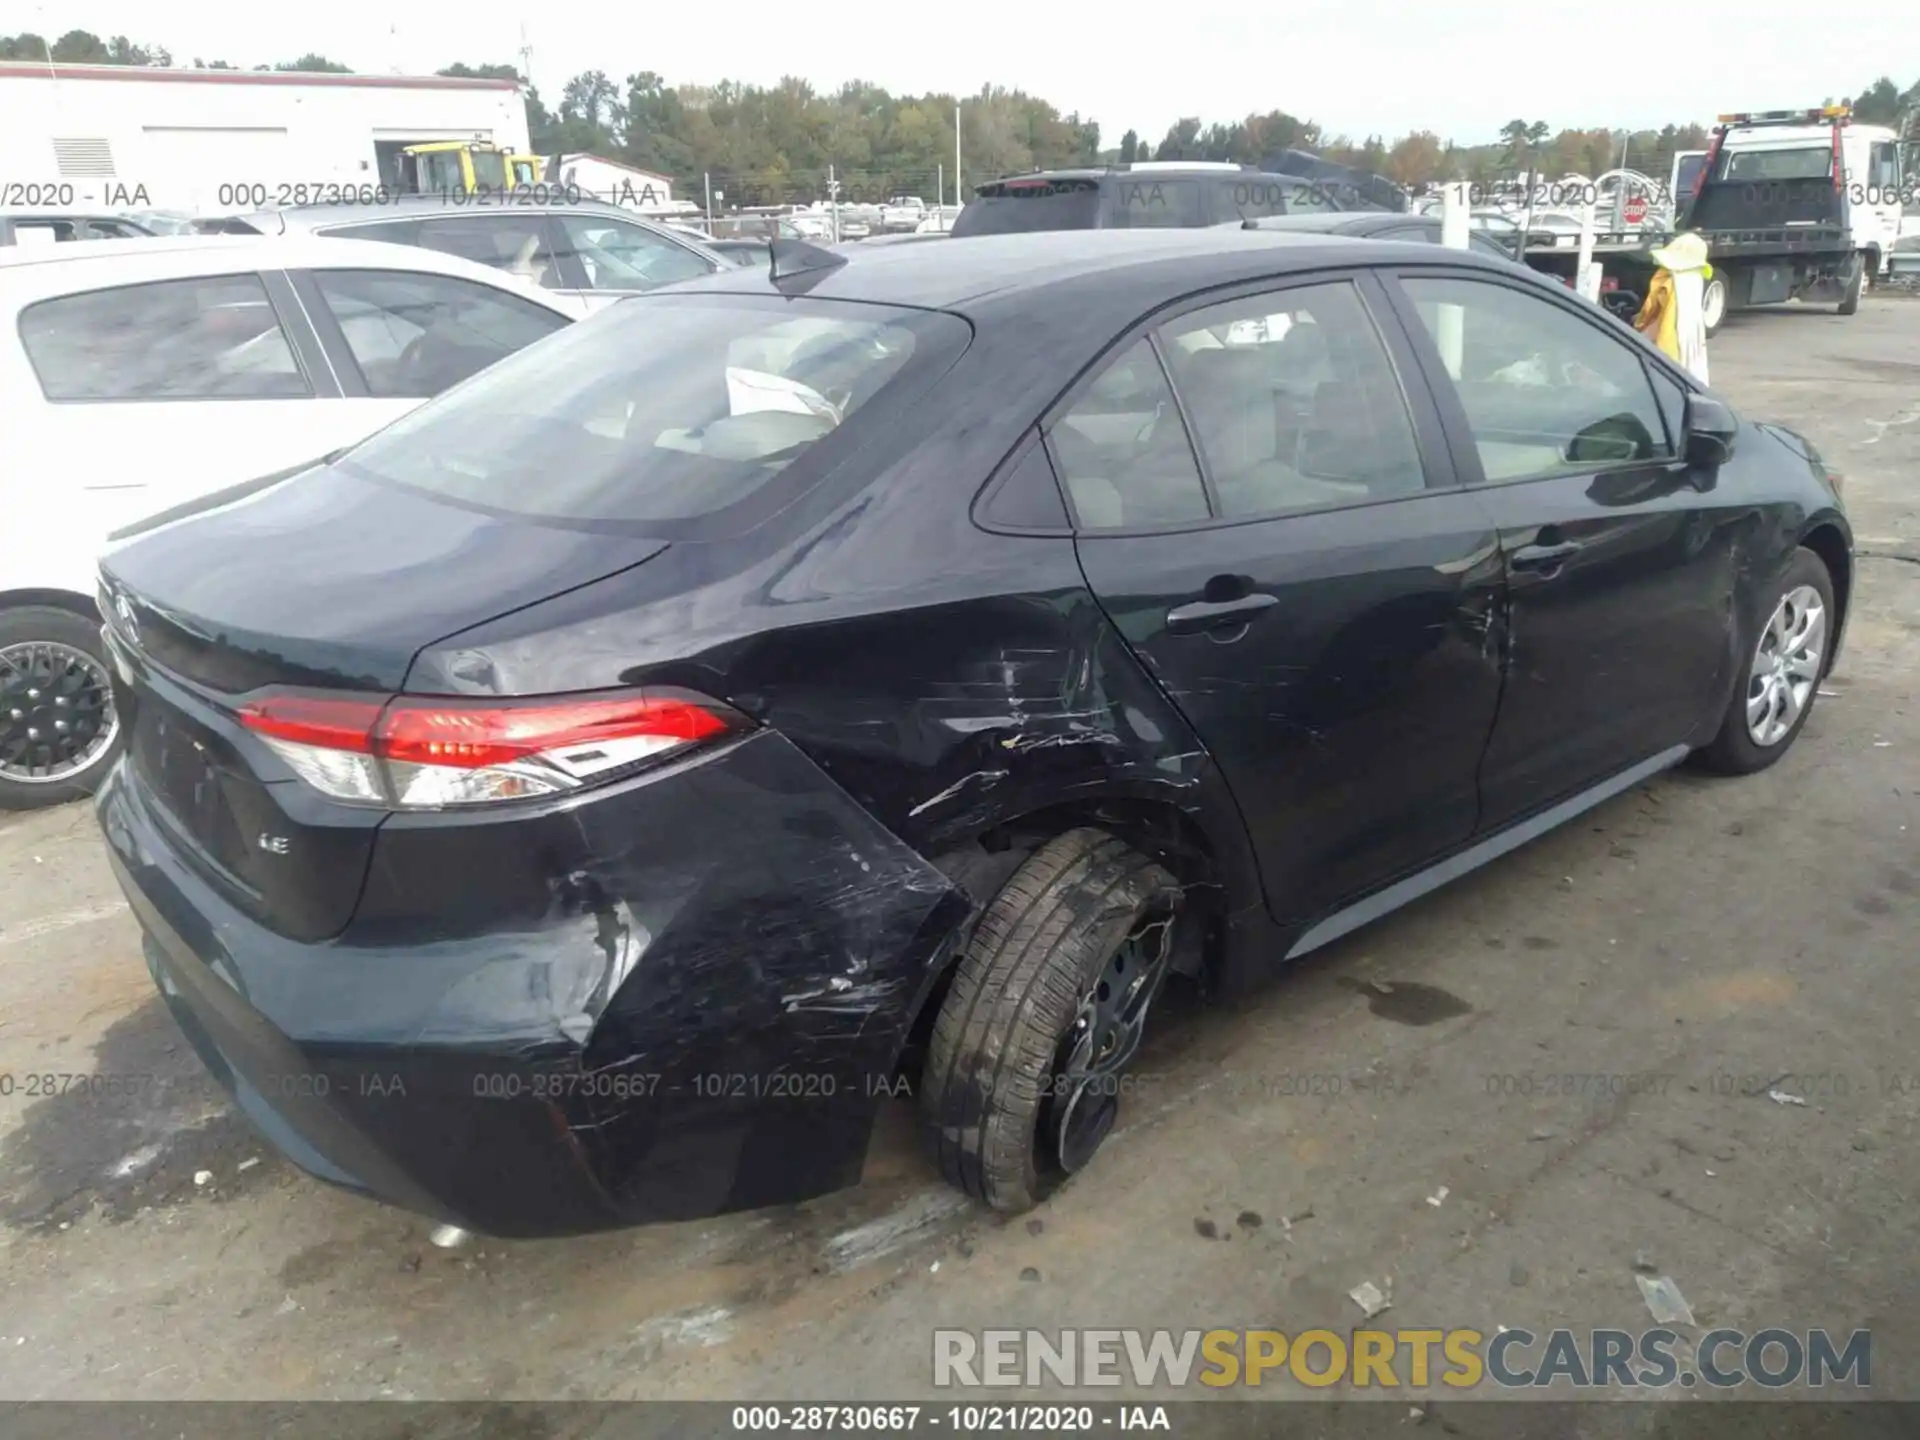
[{"x": 760, "y": 144}]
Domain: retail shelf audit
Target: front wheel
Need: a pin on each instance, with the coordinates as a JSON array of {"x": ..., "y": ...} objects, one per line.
[
  {"x": 1026, "y": 1067},
  {"x": 58, "y": 729},
  {"x": 1782, "y": 675}
]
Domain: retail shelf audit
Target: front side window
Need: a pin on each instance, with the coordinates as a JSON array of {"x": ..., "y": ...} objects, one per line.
[
  {"x": 1545, "y": 391},
  {"x": 1123, "y": 453},
  {"x": 210, "y": 338},
  {"x": 1294, "y": 401},
  {"x": 414, "y": 335},
  {"x": 619, "y": 255},
  {"x": 1886, "y": 170},
  {"x": 663, "y": 408}
]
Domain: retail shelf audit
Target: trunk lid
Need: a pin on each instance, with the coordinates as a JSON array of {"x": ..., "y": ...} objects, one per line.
[{"x": 321, "y": 581}]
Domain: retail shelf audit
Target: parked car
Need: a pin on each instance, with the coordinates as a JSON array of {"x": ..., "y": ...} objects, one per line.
[
  {"x": 1374, "y": 225},
  {"x": 587, "y": 249},
  {"x": 45, "y": 227},
  {"x": 743, "y": 252},
  {"x": 1145, "y": 196},
  {"x": 789, "y": 689},
  {"x": 138, "y": 374}
]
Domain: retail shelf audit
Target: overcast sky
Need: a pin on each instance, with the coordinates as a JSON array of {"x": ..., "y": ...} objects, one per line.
[{"x": 1355, "y": 66}]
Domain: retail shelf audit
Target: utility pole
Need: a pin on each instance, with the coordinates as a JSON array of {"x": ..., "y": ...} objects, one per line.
[
  {"x": 956, "y": 152},
  {"x": 707, "y": 177}
]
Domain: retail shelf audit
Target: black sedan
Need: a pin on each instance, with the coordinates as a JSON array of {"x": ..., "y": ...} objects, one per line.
[{"x": 584, "y": 801}]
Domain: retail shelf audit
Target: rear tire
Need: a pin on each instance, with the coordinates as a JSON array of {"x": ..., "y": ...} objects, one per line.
[
  {"x": 1009, "y": 1104},
  {"x": 1856, "y": 285},
  {"x": 53, "y": 672},
  {"x": 1716, "y": 302},
  {"x": 1745, "y": 745}
]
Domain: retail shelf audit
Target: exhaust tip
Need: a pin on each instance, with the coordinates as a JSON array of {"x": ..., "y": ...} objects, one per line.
[{"x": 449, "y": 1237}]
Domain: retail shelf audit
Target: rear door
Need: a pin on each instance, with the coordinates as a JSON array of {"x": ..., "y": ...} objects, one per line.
[
  {"x": 1266, "y": 507},
  {"x": 1620, "y": 570},
  {"x": 165, "y": 390}
]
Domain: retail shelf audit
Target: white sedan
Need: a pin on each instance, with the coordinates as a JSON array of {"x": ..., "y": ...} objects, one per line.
[{"x": 137, "y": 375}]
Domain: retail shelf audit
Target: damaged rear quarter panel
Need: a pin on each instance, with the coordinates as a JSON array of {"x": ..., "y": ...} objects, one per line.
[{"x": 736, "y": 935}]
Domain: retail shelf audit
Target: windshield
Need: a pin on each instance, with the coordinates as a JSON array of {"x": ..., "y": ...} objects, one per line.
[
  {"x": 489, "y": 170},
  {"x": 1020, "y": 207},
  {"x": 440, "y": 172},
  {"x": 660, "y": 408},
  {"x": 1803, "y": 162}
]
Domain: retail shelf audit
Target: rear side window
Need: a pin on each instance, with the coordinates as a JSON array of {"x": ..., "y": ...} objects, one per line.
[
  {"x": 1147, "y": 203},
  {"x": 1123, "y": 452},
  {"x": 414, "y": 335},
  {"x": 392, "y": 232},
  {"x": 214, "y": 337},
  {"x": 666, "y": 408},
  {"x": 1020, "y": 207},
  {"x": 619, "y": 255},
  {"x": 518, "y": 244},
  {"x": 1294, "y": 401}
]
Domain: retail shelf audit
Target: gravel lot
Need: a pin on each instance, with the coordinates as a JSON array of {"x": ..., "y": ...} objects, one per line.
[{"x": 1729, "y": 936}]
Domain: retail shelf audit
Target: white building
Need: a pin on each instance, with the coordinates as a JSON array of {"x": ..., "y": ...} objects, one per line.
[
  {"x": 128, "y": 137},
  {"x": 615, "y": 182}
]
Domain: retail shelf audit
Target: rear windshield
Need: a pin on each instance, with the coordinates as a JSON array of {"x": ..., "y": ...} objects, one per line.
[
  {"x": 1251, "y": 196},
  {"x": 1148, "y": 203},
  {"x": 1020, "y": 207},
  {"x": 1803, "y": 162},
  {"x": 665, "y": 408}
]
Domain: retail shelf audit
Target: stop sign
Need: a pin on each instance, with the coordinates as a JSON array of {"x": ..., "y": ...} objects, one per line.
[{"x": 1636, "y": 211}]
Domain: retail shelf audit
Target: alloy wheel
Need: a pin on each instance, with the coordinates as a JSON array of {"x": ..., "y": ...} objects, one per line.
[
  {"x": 1786, "y": 665},
  {"x": 56, "y": 712},
  {"x": 1085, "y": 1085}
]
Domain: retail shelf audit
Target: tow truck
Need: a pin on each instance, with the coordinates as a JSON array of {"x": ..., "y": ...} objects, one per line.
[
  {"x": 459, "y": 167},
  {"x": 1793, "y": 204}
]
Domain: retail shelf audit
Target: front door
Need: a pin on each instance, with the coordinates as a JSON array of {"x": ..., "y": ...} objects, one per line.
[
  {"x": 1265, "y": 508},
  {"x": 1620, "y": 563}
]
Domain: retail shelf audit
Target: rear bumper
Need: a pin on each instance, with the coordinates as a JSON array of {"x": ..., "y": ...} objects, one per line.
[{"x": 701, "y": 1018}]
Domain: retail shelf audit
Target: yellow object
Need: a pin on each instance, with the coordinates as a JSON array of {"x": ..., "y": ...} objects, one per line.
[
  {"x": 1659, "y": 315},
  {"x": 455, "y": 167}
]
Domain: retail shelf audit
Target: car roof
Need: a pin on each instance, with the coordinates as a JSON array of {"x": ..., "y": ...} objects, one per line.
[
  {"x": 1199, "y": 169},
  {"x": 37, "y": 271},
  {"x": 973, "y": 274},
  {"x": 1342, "y": 222},
  {"x": 396, "y": 207}
]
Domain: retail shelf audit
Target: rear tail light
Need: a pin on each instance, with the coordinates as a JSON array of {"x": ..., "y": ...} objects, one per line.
[
  {"x": 1836, "y": 481},
  {"x": 411, "y": 752}
]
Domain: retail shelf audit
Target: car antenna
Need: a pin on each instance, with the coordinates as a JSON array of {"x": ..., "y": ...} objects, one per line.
[{"x": 794, "y": 258}]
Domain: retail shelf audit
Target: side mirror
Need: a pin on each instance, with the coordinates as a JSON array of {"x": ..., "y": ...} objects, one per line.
[{"x": 1710, "y": 431}]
